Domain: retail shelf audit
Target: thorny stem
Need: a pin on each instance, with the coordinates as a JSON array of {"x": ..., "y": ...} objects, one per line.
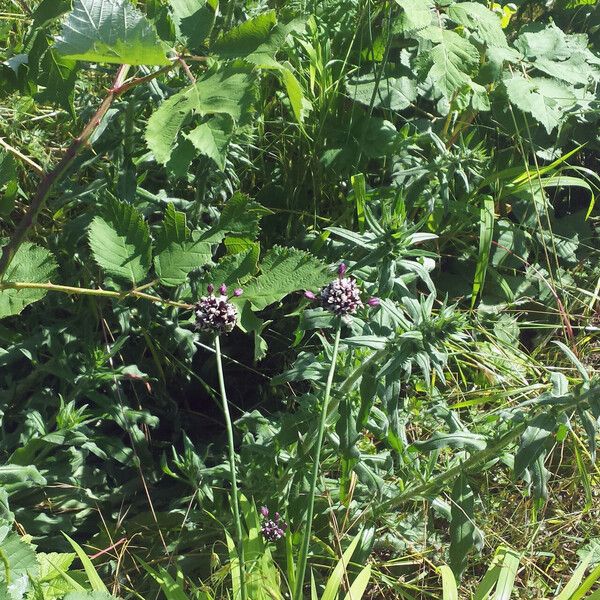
[
  {"x": 67, "y": 289},
  {"x": 48, "y": 182},
  {"x": 234, "y": 484},
  {"x": 303, "y": 557}
]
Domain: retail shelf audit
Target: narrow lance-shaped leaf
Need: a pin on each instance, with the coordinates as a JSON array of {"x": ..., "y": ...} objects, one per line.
[{"x": 462, "y": 528}]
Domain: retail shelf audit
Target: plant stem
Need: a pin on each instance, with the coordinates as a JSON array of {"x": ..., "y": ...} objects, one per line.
[
  {"x": 67, "y": 289},
  {"x": 303, "y": 557},
  {"x": 234, "y": 485}
]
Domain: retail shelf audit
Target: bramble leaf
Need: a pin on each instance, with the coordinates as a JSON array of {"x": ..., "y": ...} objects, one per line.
[
  {"x": 31, "y": 264},
  {"x": 178, "y": 250},
  {"x": 230, "y": 92},
  {"x": 110, "y": 31},
  {"x": 283, "y": 271},
  {"x": 193, "y": 20},
  {"x": 120, "y": 242}
]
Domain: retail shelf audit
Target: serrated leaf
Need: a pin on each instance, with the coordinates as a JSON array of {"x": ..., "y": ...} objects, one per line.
[
  {"x": 415, "y": 15},
  {"x": 544, "y": 99},
  {"x": 391, "y": 93},
  {"x": 229, "y": 91},
  {"x": 212, "y": 138},
  {"x": 178, "y": 250},
  {"x": 480, "y": 20},
  {"x": 283, "y": 271},
  {"x": 451, "y": 61},
  {"x": 110, "y": 31},
  {"x": 462, "y": 528},
  {"x": 31, "y": 264},
  {"x": 19, "y": 556},
  {"x": 257, "y": 40},
  {"x": 241, "y": 216},
  {"x": 193, "y": 20},
  {"x": 236, "y": 269},
  {"x": 120, "y": 242}
]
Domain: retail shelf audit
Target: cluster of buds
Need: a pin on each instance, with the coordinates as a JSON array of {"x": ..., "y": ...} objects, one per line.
[
  {"x": 272, "y": 529},
  {"x": 215, "y": 313},
  {"x": 342, "y": 295}
]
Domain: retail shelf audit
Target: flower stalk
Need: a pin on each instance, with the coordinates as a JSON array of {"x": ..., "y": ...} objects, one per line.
[
  {"x": 235, "y": 505},
  {"x": 303, "y": 557}
]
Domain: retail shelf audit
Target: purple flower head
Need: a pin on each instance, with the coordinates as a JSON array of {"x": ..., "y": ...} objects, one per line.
[
  {"x": 223, "y": 289},
  {"x": 215, "y": 313},
  {"x": 210, "y": 288},
  {"x": 342, "y": 269},
  {"x": 373, "y": 302},
  {"x": 238, "y": 292},
  {"x": 272, "y": 529},
  {"x": 341, "y": 297},
  {"x": 310, "y": 295}
]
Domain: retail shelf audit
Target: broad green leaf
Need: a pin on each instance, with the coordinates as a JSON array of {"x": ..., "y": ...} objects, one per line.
[
  {"x": 18, "y": 557},
  {"x": 257, "y": 40},
  {"x": 451, "y": 62},
  {"x": 120, "y": 241},
  {"x": 13, "y": 477},
  {"x": 193, "y": 20},
  {"x": 241, "y": 216},
  {"x": 462, "y": 528},
  {"x": 110, "y": 31},
  {"x": 212, "y": 138},
  {"x": 51, "y": 564},
  {"x": 300, "y": 104},
  {"x": 87, "y": 595},
  {"x": 544, "y": 99},
  {"x": 415, "y": 15},
  {"x": 480, "y": 20},
  {"x": 234, "y": 270},
  {"x": 178, "y": 250},
  {"x": 391, "y": 93},
  {"x": 31, "y": 264},
  {"x": 283, "y": 271},
  {"x": 230, "y": 91},
  {"x": 48, "y": 10}
]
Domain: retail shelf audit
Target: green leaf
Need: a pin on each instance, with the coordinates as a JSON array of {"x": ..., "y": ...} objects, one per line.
[
  {"x": 457, "y": 439},
  {"x": 47, "y": 10},
  {"x": 415, "y": 15},
  {"x": 257, "y": 40},
  {"x": 18, "y": 560},
  {"x": 534, "y": 442},
  {"x": 95, "y": 595},
  {"x": 241, "y": 216},
  {"x": 393, "y": 93},
  {"x": 283, "y": 271},
  {"x": 486, "y": 235},
  {"x": 301, "y": 105},
  {"x": 8, "y": 171},
  {"x": 212, "y": 138},
  {"x": 449, "y": 589},
  {"x": 110, "y": 31},
  {"x": 451, "y": 61},
  {"x": 178, "y": 250},
  {"x": 95, "y": 582},
  {"x": 236, "y": 269},
  {"x": 544, "y": 99},
  {"x": 462, "y": 528},
  {"x": 13, "y": 477},
  {"x": 480, "y": 20},
  {"x": 120, "y": 242},
  {"x": 230, "y": 91},
  {"x": 193, "y": 20},
  {"x": 31, "y": 264}
]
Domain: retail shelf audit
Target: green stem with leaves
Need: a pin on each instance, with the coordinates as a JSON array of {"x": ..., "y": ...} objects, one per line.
[
  {"x": 234, "y": 485},
  {"x": 303, "y": 557}
]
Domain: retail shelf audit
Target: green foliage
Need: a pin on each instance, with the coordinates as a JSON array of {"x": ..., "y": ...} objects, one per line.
[
  {"x": 111, "y": 31},
  {"x": 120, "y": 242}
]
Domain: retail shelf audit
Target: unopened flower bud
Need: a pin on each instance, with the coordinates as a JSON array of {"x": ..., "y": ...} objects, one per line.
[
  {"x": 373, "y": 302},
  {"x": 264, "y": 511},
  {"x": 308, "y": 294},
  {"x": 210, "y": 288},
  {"x": 223, "y": 289},
  {"x": 342, "y": 269},
  {"x": 238, "y": 292}
]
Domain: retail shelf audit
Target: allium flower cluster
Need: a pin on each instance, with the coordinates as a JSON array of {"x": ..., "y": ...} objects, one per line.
[
  {"x": 215, "y": 313},
  {"x": 272, "y": 529},
  {"x": 342, "y": 296}
]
